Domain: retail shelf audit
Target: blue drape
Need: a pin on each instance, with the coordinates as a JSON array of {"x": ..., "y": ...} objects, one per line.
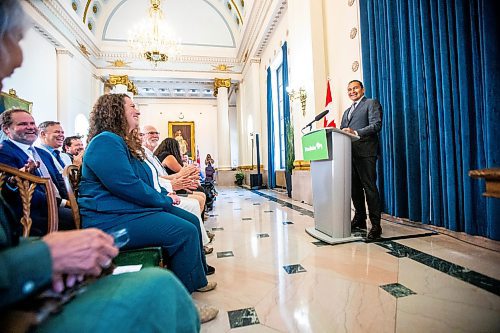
[
  {"x": 271, "y": 177},
  {"x": 434, "y": 67},
  {"x": 289, "y": 146}
]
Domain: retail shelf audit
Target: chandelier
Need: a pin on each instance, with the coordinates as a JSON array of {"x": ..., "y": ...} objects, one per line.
[{"x": 152, "y": 39}]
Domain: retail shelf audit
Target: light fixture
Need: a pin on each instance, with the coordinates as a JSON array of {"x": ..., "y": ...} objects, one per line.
[
  {"x": 298, "y": 94},
  {"x": 152, "y": 39}
]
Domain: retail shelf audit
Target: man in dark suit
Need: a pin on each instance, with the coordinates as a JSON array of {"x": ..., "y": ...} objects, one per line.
[
  {"x": 364, "y": 118},
  {"x": 17, "y": 151}
]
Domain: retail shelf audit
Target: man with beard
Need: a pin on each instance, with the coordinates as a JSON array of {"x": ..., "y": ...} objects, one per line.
[
  {"x": 18, "y": 151},
  {"x": 73, "y": 148},
  {"x": 150, "y": 137}
]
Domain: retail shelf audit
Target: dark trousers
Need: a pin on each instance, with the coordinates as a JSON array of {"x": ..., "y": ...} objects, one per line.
[
  {"x": 41, "y": 221},
  {"x": 364, "y": 184}
]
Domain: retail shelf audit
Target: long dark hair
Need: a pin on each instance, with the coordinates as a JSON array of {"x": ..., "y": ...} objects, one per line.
[
  {"x": 167, "y": 147},
  {"x": 108, "y": 114}
]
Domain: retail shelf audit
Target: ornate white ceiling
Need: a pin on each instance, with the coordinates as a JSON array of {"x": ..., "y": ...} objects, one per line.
[{"x": 217, "y": 36}]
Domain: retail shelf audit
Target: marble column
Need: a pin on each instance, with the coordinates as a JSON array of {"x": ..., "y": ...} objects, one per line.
[{"x": 223, "y": 138}]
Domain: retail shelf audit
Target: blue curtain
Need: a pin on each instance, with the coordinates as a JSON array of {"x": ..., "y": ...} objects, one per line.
[
  {"x": 289, "y": 146},
  {"x": 434, "y": 66},
  {"x": 271, "y": 177},
  {"x": 289, "y": 155}
]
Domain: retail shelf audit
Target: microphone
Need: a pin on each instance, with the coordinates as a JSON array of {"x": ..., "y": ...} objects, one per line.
[{"x": 318, "y": 117}]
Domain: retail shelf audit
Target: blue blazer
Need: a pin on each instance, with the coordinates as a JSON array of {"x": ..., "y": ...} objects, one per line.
[
  {"x": 115, "y": 186},
  {"x": 14, "y": 156}
]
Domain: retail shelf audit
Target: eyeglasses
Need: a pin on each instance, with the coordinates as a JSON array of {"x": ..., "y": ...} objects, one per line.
[{"x": 153, "y": 133}]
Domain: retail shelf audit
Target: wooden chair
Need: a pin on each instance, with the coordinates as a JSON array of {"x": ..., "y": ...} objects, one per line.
[
  {"x": 26, "y": 184},
  {"x": 71, "y": 176},
  {"x": 492, "y": 177},
  {"x": 149, "y": 256}
]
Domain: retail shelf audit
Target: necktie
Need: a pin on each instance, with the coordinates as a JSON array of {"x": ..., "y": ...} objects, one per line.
[
  {"x": 349, "y": 115},
  {"x": 57, "y": 155},
  {"x": 42, "y": 169}
]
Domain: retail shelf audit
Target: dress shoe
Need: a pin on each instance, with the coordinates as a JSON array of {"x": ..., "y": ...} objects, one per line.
[
  {"x": 208, "y": 250},
  {"x": 375, "y": 232},
  {"x": 358, "y": 223},
  {"x": 210, "y": 270},
  {"x": 206, "y": 312},
  {"x": 210, "y": 286}
]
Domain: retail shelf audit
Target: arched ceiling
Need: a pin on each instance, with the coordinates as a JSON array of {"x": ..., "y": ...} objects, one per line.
[
  {"x": 217, "y": 37},
  {"x": 205, "y": 26},
  {"x": 215, "y": 23}
]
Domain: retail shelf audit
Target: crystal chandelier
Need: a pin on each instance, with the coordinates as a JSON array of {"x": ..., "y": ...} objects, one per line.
[{"x": 152, "y": 39}]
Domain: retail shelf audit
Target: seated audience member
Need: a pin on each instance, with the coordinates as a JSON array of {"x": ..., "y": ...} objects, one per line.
[
  {"x": 169, "y": 154},
  {"x": 158, "y": 300},
  {"x": 118, "y": 190},
  {"x": 73, "y": 148},
  {"x": 150, "y": 137},
  {"x": 51, "y": 135},
  {"x": 18, "y": 151},
  {"x": 29, "y": 266}
]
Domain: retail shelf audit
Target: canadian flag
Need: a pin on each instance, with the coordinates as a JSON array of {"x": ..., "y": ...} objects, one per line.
[{"x": 328, "y": 105}]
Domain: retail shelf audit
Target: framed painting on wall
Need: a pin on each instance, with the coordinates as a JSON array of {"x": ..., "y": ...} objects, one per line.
[
  {"x": 11, "y": 101},
  {"x": 183, "y": 132}
]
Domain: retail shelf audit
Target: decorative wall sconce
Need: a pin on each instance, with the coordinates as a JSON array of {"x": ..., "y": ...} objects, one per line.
[{"x": 298, "y": 94}]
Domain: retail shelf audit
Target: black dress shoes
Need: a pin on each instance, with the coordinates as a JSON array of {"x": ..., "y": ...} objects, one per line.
[
  {"x": 374, "y": 233},
  {"x": 210, "y": 270},
  {"x": 358, "y": 223}
]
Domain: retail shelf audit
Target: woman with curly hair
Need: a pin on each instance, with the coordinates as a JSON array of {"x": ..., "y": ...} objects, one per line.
[{"x": 117, "y": 190}]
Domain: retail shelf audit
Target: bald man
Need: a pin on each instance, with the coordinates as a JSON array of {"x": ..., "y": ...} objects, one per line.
[{"x": 150, "y": 137}]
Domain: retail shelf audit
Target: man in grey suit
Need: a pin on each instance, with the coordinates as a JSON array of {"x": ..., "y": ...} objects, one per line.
[{"x": 364, "y": 118}]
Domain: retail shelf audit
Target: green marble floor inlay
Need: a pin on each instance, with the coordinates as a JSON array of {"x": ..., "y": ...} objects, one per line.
[
  {"x": 462, "y": 273},
  {"x": 398, "y": 250},
  {"x": 397, "y": 290}
]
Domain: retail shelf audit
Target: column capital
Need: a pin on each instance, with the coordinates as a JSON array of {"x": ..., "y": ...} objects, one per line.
[
  {"x": 114, "y": 80},
  {"x": 221, "y": 83}
]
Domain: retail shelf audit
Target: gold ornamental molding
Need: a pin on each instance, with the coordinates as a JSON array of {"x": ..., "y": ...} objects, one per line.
[
  {"x": 238, "y": 11},
  {"x": 301, "y": 165},
  {"x": 118, "y": 63},
  {"x": 353, "y": 33},
  {"x": 250, "y": 167},
  {"x": 222, "y": 68},
  {"x": 114, "y": 80},
  {"x": 355, "y": 66},
  {"x": 221, "y": 83}
]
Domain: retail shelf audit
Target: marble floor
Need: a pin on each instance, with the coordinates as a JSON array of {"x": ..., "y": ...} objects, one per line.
[{"x": 273, "y": 277}]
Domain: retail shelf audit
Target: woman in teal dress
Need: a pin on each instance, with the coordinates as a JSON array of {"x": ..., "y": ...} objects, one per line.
[{"x": 117, "y": 190}]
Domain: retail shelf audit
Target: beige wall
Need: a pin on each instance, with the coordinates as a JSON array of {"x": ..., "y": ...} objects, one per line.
[
  {"x": 158, "y": 112},
  {"x": 320, "y": 47},
  {"x": 36, "y": 79}
]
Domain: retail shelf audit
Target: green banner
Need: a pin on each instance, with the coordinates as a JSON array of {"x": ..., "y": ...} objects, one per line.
[{"x": 314, "y": 146}]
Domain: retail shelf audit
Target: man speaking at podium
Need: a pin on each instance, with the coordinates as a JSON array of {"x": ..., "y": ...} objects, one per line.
[{"x": 364, "y": 118}]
